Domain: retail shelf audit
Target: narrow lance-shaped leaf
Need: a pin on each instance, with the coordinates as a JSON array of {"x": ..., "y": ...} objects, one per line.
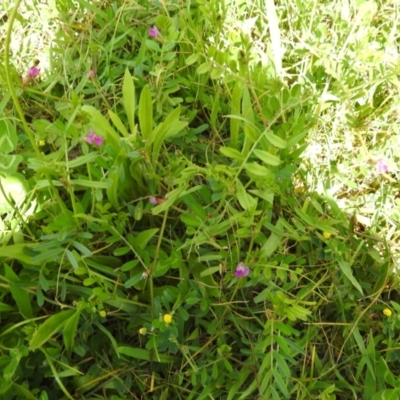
[
  {"x": 128, "y": 92},
  {"x": 246, "y": 201},
  {"x": 235, "y": 111},
  {"x": 170, "y": 127},
  {"x": 275, "y": 140},
  {"x": 345, "y": 267},
  {"x": 145, "y": 113},
  {"x": 19, "y": 294},
  {"x": 118, "y": 123},
  {"x": 267, "y": 157},
  {"x": 51, "y": 326},
  {"x": 69, "y": 332}
]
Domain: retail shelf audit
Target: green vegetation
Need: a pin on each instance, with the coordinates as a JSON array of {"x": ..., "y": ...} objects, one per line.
[{"x": 199, "y": 200}]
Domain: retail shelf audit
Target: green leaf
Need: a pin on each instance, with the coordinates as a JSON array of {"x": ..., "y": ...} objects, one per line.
[
  {"x": 43, "y": 282},
  {"x": 143, "y": 354},
  {"x": 204, "y": 68},
  {"x": 267, "y": 194},
  {"x": 280, "y": 383},
  {"x": 70, "y": 330},
  {"x": 387, "y": 394},
  {"x": 232, "y": 153},
  {"x": 242, "y": 377},
  {"x": 114, "y": 174},
  {"x": 273, "y": 241},
  {"x": 86, "y": 183},
  {"x": 8, "y": 136},
  {"x": 128, "y": 92},
  {"x": 55, "y": 374},
  {"x": 5, "y": 307},
  {"x": 267, "y": 157},
  {"x": 72, "y": 259},
  {"x": 170, "y": 127},
  {"x": 19, "y": 294},
  {"x": 172, "y": 197},
  {"x": 144, "y": 237},
  {"x": 210, "y": 271},
  {"x": 275, "y": 35},
  {"x": 192, "y": 59},
  {"x": 275, "y": 140},
  {"x": 110, "y": 337},
  {"x": 245, "y": 200},
  {"x": 51, "y": 326},
  {"x": 345, "y": 267},
  {"x": 152, "y": 45},
  {"x": 191, "y": 220},
  {"x": 17, "y": 251},
  {"x": 235, "y": 111},
  {"x": 256, "y": 169},
  {"x": 145, "y": 113},
  {"x": 15, "y": 187},
  {"x": 9, "y": 163},
  {"x": 82, "y": 160},
  {"x": 118, "y": 124},
  {"x": 217, "y": 72}
]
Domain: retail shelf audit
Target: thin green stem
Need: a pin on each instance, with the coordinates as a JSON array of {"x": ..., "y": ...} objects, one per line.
[{"x": 153, "y": 267}]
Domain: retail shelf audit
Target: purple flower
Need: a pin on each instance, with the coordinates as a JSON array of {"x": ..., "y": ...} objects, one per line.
[
  {"x": 90, "y": 74},
  {"x": 92, "y": 138},
  {"x": 382, "y": 166},
  {"x": 241, "y": 270},
  {"x": 153, "y": 200},
  {"x": 153, "y": 32},
  {"x": 32, "y": 72}
]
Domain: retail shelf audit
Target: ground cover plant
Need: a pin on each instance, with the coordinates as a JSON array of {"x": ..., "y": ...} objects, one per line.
[{"x": 199, "y": 200}]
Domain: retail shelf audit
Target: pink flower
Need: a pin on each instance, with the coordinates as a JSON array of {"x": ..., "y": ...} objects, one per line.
[
  {"x": 241, "y": 270},
  {"x": 32, "y": 72},
  {"x": 382, "y": 166},
  {"x": 153, "y": 32},
  {"x": 90, "y": 74},
  {"x": 92, "y": 138},
  {"x": 155, "y": 200}
]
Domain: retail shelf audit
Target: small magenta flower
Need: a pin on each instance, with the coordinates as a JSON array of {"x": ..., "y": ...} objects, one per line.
[
  {"x": 153, "y": 32},
  {"x": 32, "y": 72},
  {"x": 92, "y": 138},
  {"x": 241, "y": 271},
  {"x": 155, "y": 200},
  {"x": 382, "y": 166},
  {"x": 90, "y": 74}
]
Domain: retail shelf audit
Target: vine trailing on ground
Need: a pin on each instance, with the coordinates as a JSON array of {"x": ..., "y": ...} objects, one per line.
[{"x": 161, "y": 236}]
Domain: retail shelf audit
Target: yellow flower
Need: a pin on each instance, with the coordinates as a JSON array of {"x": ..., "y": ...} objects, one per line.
[
  {"x": 102, "y": 313},
  {"x": 42, "y": 142},
  {"x": 387, "y": 312},
  {"x": 299, "y": 189},
  {"x": 167, "y": 318},
  {"x": 327, "y": 235},
  {"x": 143, "y": 331}
]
